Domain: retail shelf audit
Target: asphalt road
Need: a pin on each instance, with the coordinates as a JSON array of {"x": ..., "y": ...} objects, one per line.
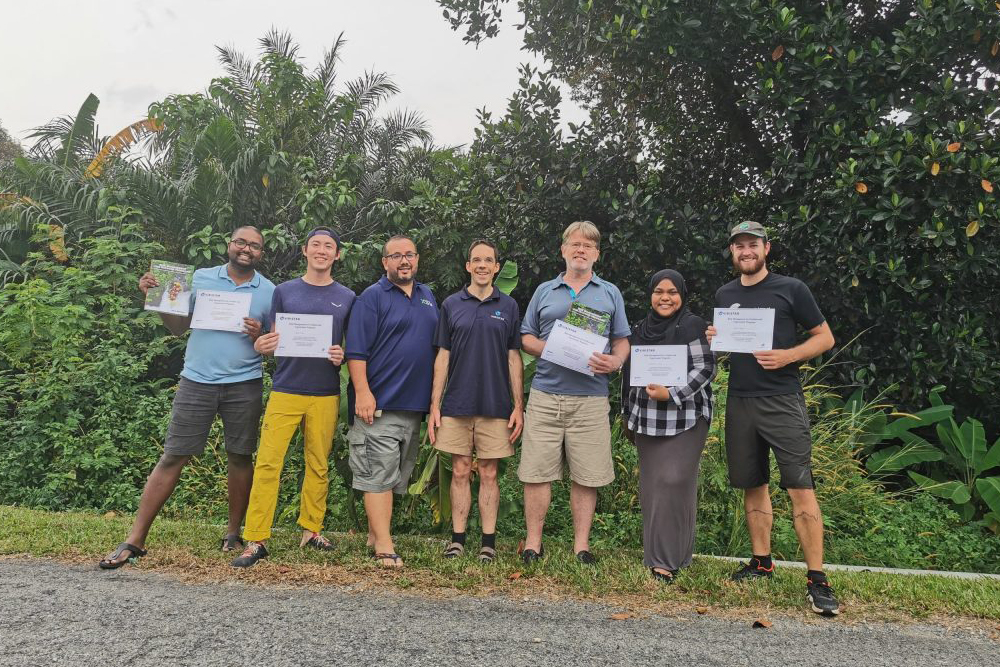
[{"x": 52, "y": 614}]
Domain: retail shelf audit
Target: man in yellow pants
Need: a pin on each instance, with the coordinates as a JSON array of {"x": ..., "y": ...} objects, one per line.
[{"x": 306, "y": 391}]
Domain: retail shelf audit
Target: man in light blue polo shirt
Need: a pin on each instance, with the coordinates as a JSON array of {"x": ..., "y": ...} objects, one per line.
[
  {"x": 222, "y": 376},
  {"x": 567, "y": 413}
]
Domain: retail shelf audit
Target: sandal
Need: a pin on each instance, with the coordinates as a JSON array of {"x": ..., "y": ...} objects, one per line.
[
  {"x": 454, "y": 550},
  {"x": 232, "y": 543},
  {"x": 318, "y": 542},
  {"x": 667, "y": 577},
  {"x": 395, "y": 558},
  {"x": 487, "y": 555},
  {"x": 112, "y": 562}
]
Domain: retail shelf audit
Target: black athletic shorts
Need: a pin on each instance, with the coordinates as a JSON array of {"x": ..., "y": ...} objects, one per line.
[
  {"x": 239, "y": 404},
  {"x": 755, "y": 426}
]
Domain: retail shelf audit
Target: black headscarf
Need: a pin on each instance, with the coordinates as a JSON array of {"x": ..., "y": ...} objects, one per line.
[{"x": 679, "y": 329}]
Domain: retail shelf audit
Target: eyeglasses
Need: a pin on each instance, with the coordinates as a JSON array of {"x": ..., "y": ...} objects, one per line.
[
  {"x": 396, "y": 256},
  {"x": 253, "y": 245},
  {"x": 576, "y": 245}
]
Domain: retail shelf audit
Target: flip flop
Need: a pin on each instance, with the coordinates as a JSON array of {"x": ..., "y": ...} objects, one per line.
[
  {"x": 395, "y": 558},
  {"x": 232, "y": 543},
  {"x": 112, "y": 562}
]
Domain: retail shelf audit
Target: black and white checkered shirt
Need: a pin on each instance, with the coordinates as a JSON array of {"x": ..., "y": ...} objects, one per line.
[{"x": 681, "y": 411}]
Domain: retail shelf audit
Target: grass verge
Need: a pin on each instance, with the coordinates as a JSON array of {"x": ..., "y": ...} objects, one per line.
[{"x": 188, "y": 550}]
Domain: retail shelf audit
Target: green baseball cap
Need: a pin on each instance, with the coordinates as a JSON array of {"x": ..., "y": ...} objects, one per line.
[{"x": 748, "y": 227}]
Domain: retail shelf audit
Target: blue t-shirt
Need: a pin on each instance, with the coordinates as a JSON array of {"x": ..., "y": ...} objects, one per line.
[
  {"x": 218, "y": 357},
  {"x": 310, "y": 376},
  {"x": 551, "y": 302},
  {"x": 394, "y": 333},
  {"x": 478, "y": 335}
]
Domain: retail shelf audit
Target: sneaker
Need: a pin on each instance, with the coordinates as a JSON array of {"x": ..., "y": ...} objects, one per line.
[
  {"x": 586, "y": 558},
  {"x": 753, "y": 570},
  {"x": 318, "y": 542},
  {"x": 822, "y": 599},
  {"x": 253, "y": 553}
]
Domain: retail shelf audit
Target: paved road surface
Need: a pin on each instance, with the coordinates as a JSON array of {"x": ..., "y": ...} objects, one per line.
[{"x": 52, "y": 614}]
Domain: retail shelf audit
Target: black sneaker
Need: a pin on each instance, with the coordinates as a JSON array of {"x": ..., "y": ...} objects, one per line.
[
  {"x": 530, "y": 556},
  {"x": 253, "y": 553},
  {"x": 822, "y": 599},
  {"x": 753, "y": 570},
  {"x": 586, "y": 558}
]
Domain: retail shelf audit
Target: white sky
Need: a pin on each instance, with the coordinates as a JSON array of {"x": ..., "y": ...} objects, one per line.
[{"x": 55, "y": 52}]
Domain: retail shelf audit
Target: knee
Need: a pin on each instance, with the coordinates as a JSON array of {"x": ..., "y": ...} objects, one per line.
[
  {"x": 461, "y": 469},
  {"x": 240, "y": 461},
  {"x": 488, "y": 472},
  {"x": 172, "y": 461}
]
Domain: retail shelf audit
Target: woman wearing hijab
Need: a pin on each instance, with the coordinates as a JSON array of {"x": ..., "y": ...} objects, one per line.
[{"x": 669, "y": 426}]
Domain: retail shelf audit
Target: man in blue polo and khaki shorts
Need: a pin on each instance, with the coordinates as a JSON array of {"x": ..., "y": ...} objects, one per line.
[{"x": 567, "y": 414}]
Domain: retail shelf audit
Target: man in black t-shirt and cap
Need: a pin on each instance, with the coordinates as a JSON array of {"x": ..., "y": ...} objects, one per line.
[{"x": 766, "y": 410}]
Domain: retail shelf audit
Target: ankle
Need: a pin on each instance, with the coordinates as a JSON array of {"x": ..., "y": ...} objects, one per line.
[
  {"x": 458, "y": 538},
  {"x": 490, "y": 540}
]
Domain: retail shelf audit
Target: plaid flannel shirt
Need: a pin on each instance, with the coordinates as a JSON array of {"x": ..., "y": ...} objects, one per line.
[{"x": 685, "y": 405}]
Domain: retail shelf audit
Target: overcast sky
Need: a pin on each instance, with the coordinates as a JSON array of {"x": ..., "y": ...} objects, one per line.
[{"x": 129, "y": 54}]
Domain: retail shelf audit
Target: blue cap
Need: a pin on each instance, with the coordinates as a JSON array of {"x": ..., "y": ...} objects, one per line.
[{"x": 326, "y": 231}]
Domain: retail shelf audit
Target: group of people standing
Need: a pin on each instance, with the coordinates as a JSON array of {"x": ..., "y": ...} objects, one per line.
[{"x": 460, "y": 367}]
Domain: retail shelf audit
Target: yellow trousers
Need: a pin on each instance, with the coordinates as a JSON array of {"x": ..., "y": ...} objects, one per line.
[{"x": 285, "y": 412}]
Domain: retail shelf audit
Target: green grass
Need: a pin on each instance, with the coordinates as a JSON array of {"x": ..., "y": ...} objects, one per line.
[{"x": 188, "y": 549}]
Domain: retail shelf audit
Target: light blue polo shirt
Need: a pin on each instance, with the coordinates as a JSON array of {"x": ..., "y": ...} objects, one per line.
[
  {"x": 551, "y": 302},
  {"x": 217, "y": 357}
]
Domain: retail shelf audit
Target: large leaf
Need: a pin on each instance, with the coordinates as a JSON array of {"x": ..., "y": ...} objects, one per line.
[
  {"x": 120, "y": 142},
  {"x": 972, "y": 442},
  {"x": 507, "y": 278},
  {"x": 991, "y": 459},
  {"x": 927, "y": 417},
  {"x": 989, "y": 491},
  {"x": 954, "y": 490},
  {"x": 83, "y": 127},
  {"x": 897, "y": 457}
]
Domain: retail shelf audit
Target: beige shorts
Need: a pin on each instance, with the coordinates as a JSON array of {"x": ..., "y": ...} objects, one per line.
[
  {"x": 489, "y": 436},
  {"x": 576, "y": 425}
]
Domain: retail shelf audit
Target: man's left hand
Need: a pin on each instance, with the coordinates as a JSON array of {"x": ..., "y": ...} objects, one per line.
[
  {"x": 516, "y": 422},
  {"x": 604, "y": 363},
  {"x": 251, "y": 327},
  {"x": 774, "y": 359}
]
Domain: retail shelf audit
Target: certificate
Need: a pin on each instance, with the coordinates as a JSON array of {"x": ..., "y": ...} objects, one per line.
[
  {"x": 665, "y": 365},
  {"x": 303, "y": 335},
  {"x": 572, "y": 347},
  {"x": 743, "y": 329},
  {"x": 222, "y": 311}
]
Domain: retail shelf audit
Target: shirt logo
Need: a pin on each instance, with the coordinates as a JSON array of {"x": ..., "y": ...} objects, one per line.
[
  {"x": 498, "y": 315},
  {"x": 426, "y": 302},
  {"x": 336, "y": 305}
]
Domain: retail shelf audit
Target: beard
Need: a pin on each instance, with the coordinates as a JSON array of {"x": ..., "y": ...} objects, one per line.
[
  {"x": 749, "y": 270},
  {"x": 395, "y": 278}
]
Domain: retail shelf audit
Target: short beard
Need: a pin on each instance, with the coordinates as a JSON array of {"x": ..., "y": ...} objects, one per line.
[
  {"x": 757, "y": 267},
  {"x": 396, "y": 280}
]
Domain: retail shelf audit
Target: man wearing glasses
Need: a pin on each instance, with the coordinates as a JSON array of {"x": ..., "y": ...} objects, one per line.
[
  {"x": 390, "y": 356},
  {"x": 567, "y": 414},
  {"x": 477, "y": 396},
  {"x": 222, "y": 376}
]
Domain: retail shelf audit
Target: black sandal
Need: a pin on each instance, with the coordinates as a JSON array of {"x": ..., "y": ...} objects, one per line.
[
  {"x": 232, "y": 543},
  {"x": 667, "y": 577},
  {"x": 395, "y": 558},
  {"x": 454, "y": 550},
  {"x": 112, "y": 562}
]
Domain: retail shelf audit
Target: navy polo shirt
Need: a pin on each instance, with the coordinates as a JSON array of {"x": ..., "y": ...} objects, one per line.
[
  {"x": 477, "y": 335},
  {"x": 394, "y": 333}
]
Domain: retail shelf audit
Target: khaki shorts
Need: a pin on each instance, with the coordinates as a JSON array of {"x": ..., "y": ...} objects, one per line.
[
  {"x": 576, "y": 425},
  {"x": 488, "y": 435},
  {"x": 383, "y": 454}
]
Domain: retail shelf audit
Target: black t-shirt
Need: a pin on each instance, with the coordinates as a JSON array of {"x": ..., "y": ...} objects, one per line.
[{"x": 793, "y": 305}]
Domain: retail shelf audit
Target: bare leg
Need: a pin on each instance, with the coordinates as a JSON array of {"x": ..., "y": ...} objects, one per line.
[
  {"x": 808, "y": 523},
  {"x": 378, "y": 507},
  {"x": 757, "y": 503},
  {"x": 489, "y": 495},
  {"x": 583, "y": 502},
  {"x": 159, "y": 486},
  {"x": 461, "y": 494},
  {"x": 536, "y": 505},
  {"x": 240, "y": 481}
]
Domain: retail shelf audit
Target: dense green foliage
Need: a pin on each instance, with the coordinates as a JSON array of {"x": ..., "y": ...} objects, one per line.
[{"x": 867, "y": 142}]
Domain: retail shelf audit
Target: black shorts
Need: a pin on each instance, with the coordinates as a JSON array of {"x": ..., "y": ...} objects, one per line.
[
  {"x": 239, "y": 404},
  {"x": 755, "y": 426}
]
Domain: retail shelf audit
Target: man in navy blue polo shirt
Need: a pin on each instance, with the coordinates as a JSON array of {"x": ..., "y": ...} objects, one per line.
[
  {"x": 222, "y": 376},
  {"x": 390, "y": 356},
  {"x": 478, "y": 374}
]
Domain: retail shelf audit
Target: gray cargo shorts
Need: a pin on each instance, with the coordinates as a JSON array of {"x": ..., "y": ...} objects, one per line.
[
  {"x": 384, "y": 453},
  {"x": 759, "y": 424},
  {"x": 238, "y": 404}
]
